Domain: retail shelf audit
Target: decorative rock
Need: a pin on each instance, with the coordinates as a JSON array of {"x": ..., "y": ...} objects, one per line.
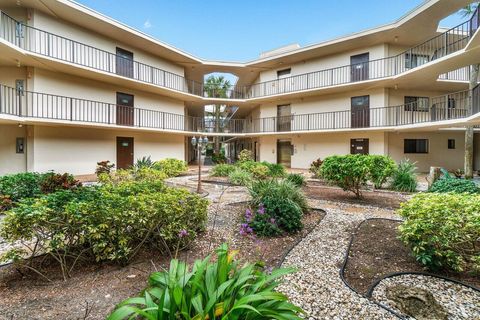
[{"x": 416, "y": 302}]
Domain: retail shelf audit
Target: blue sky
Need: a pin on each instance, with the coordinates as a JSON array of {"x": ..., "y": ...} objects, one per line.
[{"x": 241, "y": 30}]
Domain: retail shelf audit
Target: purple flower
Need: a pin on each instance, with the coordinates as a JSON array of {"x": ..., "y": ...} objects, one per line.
[
  {"x": 183, "y": 233},
  {"x": 272, "y": 220},
  {"x": 245, "y": 229},
  {"x": 261, "y": 209},
  {"x": 248, "y": 215}
]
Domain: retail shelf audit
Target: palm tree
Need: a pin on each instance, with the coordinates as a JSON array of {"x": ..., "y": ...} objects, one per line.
[
  {"x": 468, "y": 11},
  {"x": 217, "y": 87}
]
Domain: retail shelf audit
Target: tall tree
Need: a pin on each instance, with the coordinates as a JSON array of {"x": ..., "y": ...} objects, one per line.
[
  {"x": 468, "y": 11},
  {"x": 217, "y": 87}
]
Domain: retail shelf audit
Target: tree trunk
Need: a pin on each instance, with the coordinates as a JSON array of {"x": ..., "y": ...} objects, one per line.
[{"x": 474, "y": 71}]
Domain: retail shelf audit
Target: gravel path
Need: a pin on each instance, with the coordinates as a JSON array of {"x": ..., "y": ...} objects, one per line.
[
  {"x": 459, "y": 301},
  {"x": 317, "y": 286}
]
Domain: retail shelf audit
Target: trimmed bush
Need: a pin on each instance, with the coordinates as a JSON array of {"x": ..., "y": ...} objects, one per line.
[
  {"x": 21, "y": 185},
  {"x": 171, "y": 167},
  {"x": 443, "y": 230},
  {"x": 349, "y": 172},
  {"x": 218, "y": 289},
  {"x": 240, "y": 177},
  {"x": 222, "y": 170},
  {"x": 454, "y": 185},
  {"x": 280, "y": 207},
  {"x": 381, "y": 168},
  {"x": 297, "y": 179},
  {"x": 404, "y": 178},
  {"x": 108, "y": 223}
]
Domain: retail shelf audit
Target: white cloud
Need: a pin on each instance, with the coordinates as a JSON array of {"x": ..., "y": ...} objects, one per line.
[{"x": 147, "y": 24}]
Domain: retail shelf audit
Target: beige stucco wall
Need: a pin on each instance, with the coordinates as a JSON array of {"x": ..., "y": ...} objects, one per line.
[
  {"x": 10, "y": 161},
  {"x": 65, "y": 85},
  {"x": 77, "y": 150},
  {"x": 438, "y": 155},
  {"x": 74, "y": 32},
  {"x": 327, "y": 62}
]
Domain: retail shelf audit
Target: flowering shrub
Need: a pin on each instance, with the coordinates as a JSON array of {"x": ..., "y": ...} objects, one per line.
[
  {"x": 443, "y": 230},
  {"x": 280, "y": 207},
  {"x": 211, "y": 290}
]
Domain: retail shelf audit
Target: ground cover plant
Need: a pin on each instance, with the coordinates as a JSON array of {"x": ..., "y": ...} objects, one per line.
[
  {"x": 443, "y": 230},
  {"x": 219, "y": 289},
  {"x": 454, "y": 185},
  {"x": 112, "y": 222}
]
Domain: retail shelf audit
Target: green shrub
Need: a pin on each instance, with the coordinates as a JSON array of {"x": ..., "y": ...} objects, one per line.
[
  {"x": 222, "y": 170},
  {"x": 275, "y": 170},
  {"x": 259, "y": 171},
  {"x": 443, "y": 230},
  {"x": 454, "y": 185},
  {"x": 381, "y": 168},
  {"x": 122, "y": 175},
  {"x": 52, "y": 182},
  {"x": 280, "y": 207},
  {"x": 240, "y": 177},
  {"x": 211, "y": 290},
  {"x": 171, "y": 167},
  {"x": 297, "y": 179},
  {"x": 245, "y": 155},
  {"x": 404, "y": 178},
  {"x": 350, "y": 172},
  {"x": 108, "y": 223},
  {"x": 21, "y": 185},
  {"x": 219, "y": 158}
]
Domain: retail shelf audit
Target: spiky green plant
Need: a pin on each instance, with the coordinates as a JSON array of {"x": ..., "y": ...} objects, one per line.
[{"x": 211, "y": 290}]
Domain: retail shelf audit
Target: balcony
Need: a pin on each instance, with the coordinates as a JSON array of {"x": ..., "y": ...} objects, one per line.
[
  {"x": 42, "y": 107},
  {"x": 63, "y": 49}
]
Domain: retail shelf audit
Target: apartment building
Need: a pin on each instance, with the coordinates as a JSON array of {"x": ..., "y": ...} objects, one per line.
[{"x": 77, "y": 87}]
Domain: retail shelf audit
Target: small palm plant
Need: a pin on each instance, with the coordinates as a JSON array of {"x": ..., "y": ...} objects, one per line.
[
  {"x": 143, "y": 163},
  {"x": 211, "y": 290}
]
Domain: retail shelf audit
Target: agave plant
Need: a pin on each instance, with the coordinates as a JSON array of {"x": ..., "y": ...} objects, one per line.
[{"x": 211, "y": 290}]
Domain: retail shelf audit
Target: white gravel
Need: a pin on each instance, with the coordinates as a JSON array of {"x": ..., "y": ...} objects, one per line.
[
  {"x": 317, "y": 286},
  {"x": 459, "y": 301}
]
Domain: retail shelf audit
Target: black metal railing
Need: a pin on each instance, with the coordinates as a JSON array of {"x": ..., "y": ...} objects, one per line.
[
  {"x": 58, "y": 47},
  {"x": 37, "y": 105}
]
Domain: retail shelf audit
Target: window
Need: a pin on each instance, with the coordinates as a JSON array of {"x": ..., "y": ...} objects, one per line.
[
  {"x": 416, "y": 104},
  {"x": 20, "y": 145},
  {"x": 413, "y": 60},
  {"x": 415, "y": 146},
  {"x": 451, "y": 143},
  {"x": 284, "y": 73}
]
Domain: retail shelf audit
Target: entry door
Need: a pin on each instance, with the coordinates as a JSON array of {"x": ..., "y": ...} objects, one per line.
[
  {"x": 284, "y": 118},
  {"x": 360, "y": 112},
  {"x": 359, "y": 146},
  {"x": 124, "y": 63},
  {"x": 125, "y": 110},
  {"x": 359, "y": 67},
  {"x": 124, "y": 152},
  {"x": 284, "y": 152}
]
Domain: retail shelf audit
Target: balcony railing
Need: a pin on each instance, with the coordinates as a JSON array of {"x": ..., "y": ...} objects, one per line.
[
  {"x": 54, "y": 46},
  {"x": 37, "y": 105}
]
